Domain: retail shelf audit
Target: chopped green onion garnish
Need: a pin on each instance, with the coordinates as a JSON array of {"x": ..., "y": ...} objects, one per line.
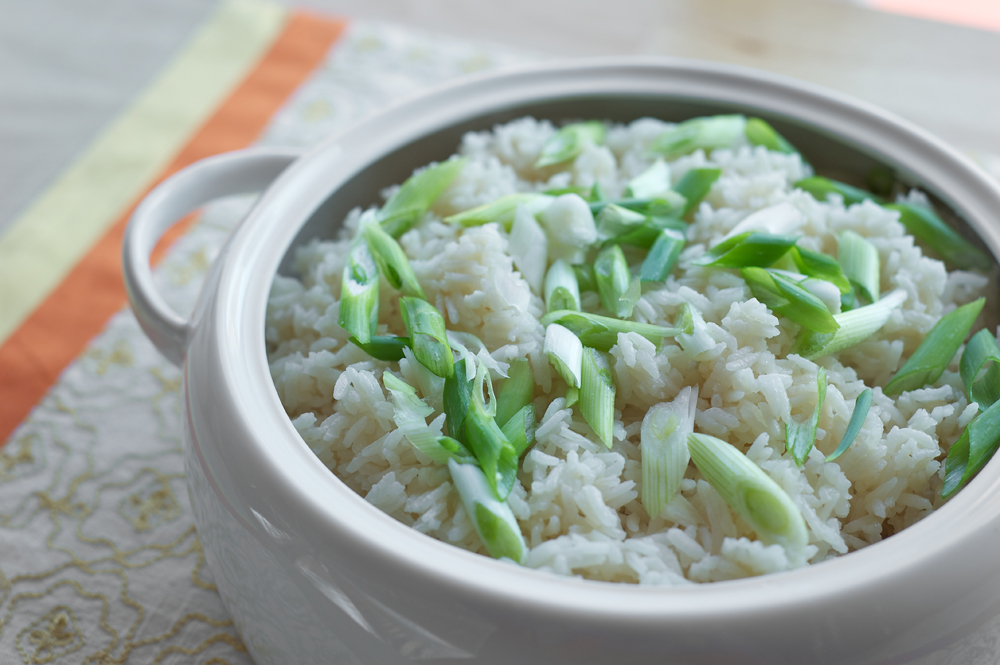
[
  {"x": 597, "y": 394},
  {"x": 487, "y": 441},
  {"x": 708, "y": 133},
  {"x": 576, "y": 189},
  {"x": 695, "y": 185},
  {"x": 416, "y": 195},
  {"x": 667, "y": 204},
  {"x": 409, "y": 412},
  {"x": 760, "y": 132},
  {"x": 972, "y": 451},
  {"x": 821, "y": 188},
  {"x": 750, "y": 492},
  {"x": 456, "y": 396},
  {"x": 662, "y": 256},
  {"x": 750, "y": 249},
  {"x": 500, "y": 211},
  {"x": 572, "y": 397},
  {"x": 982, "y": 387},
  {"x": 585, "y": 276},
  {"x": 596, "y": 193},
  {"x": 788, "y": 298},
  {"x": 428, "y": 336},
  {"x": 648, "y": 233},
  {"x": 493, "y": 519},
  {"x": 821, "y": 266},
  {"x": 652, "y": 182},
  {"x": 359, "y": 294},
  {"x": 861, "y": 406},
  {"x": 855, "y": 326},
  {"x": 565, "y": 352},
  {"x": 561, "y": 288},
  {"x": 800, "y": 437},
  {"x": 529, "y": 248},
  {"x": 926, "y": 226},
  {"x": 860, "y": 262},
  {"x": 664, "y": 450},
  {"x": 569, "y": 142},
  {"x": 611, "y": 270},
  {"x": 457, "y": 451},
  {"x": 570, "y": 228},
  {"x": 516, "y": 391},
  {"x": 614, "y": 220},
  {"x": 601, "y": 332},
  {"x": 697, "y": 341},
  {"x": 936, "y": 351},
  {"x": 387, "y": 348},
  {"x": 391, "y": 260},
  {"x": 520, "y": 429}
]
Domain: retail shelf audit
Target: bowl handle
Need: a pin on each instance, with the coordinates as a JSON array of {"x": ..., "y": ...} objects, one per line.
[{"x": 239, "y": 172}]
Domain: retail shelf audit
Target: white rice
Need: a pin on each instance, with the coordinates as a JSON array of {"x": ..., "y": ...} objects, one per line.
[{"x": 578, "y": 502}]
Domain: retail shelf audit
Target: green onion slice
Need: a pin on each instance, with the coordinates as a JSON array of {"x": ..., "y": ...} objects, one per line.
[
  {"x": 860, "y": 262},
  {"x": 821, "y": 266},
  {"x": 760, "y": 132},
  {"x": 391, "y": 260},
  {"x": 572, "y": 397},
  {"x": 972, "y": 451},
  {"x": 387, "y": 348},
  {"x": 611, "y": 270},
  {"x": 597, "y": 394},
  {"x": 664, "y": 450},
  {"x": 601, "y": 332},
  {"x": 666, "y": 204},
  {"x": 487, "y": 441},
  {"x": 707, "y": 133},
  {"x": 409, "y": 413},
  {"x": 662, "y": 256},
  {"x": 565, "y": 352},
  {"x": 646, "y": 234},
  {"x": 516, "y": 391},
  {"x": 855, "y": 326},
  {"x": 695, "y": 185},
  {"x": 529, "y": 248},
  {"x": 800, "y": 437},
  {"x": 359, "y": 294},
  {"x": 981, "y": 386},
  {"x": 652, "y": 182},
  {"x": 520, "y": 429},
  {"x": 614, "y": 220},
  {"x": 750, "y": 492},
  {"x": 493, "y": 519},
  {"x": 750, "y": 249},
  {"x": 428, "y": 336},
  {"x": 936, "y": 351},
  {"x": 562, "y": 290},
  {"x": 500, "y": 211},
  {"x": 456, "y": 395},
  {"x": 926, "y": 226},
  {"x": 416, "y": 195},
  {"x": 861, "y": 406},
  {"x": 821, "y": 188},
  {"x": 698, "y": 340},
  {"x": 569, "y": 142},
  {"x": 585, "y": 276},
  {"x": 789, "y": 298}
]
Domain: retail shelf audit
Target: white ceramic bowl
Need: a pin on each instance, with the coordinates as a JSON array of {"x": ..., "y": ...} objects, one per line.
[{"x": 314, "y": 574}]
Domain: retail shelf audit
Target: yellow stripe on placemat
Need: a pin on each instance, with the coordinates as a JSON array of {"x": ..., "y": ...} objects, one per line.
[{"x": 50, "y": 237}]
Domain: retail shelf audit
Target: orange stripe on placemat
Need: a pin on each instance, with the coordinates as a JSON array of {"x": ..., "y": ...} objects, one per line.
[{"x": 54, "y": 334}]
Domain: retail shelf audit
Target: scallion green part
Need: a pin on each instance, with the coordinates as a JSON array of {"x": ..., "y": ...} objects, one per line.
[
  {"x": 936, "y": 351},
  {"x": 565, "y": 351},
  {"x": 750, "y": 249},
  {"x": 695, "y": 185},
  {"x": 387, "y": 348},
  {"x": 520, "y": 429},
  {"x": 500, "y": 211},
  {"x": 925, "y": 225},
  {"x": 860, "y": 263},
  {"x": 820, "y": 266},
  {"x": 614, "y": 220},
  {"x": 585, "y": 276},
  {"x": 789, "y": 298},
  {"x": 855, "y": 326},
  {"x": 821, "y": 188},
  {"x": 493, "y": 519},
  {"x": 487, "y": 441},
  {"x": 662, "y": 256},
  {"x": 569, "y": 142},
  {"x": 663, "y": 448},
  {"x": 572, "y": 397},
  {"x": 707, "y": 133},
  {"x": 972, "y": 451},
  {"x": 601, "y": 332},
  {"x": 428, "y": 336},
  {"x": 613, "y": 279},
  {"x": 646, "y": 234},
  {"x": 800, "y": 437},
  {"x": 416, "y": 195},
  {"x": 654, "y": 181},
  {"x": 456, "y": 396},
  {"x": 597, "y": 394},
  {"x": 516, "y": 391},
  {"x": 759, "y": 132},
  {"x": 359, "y": 294},
  {"x": 562, "y": 291},
  {"x": 391, "y": 260},
  {"x": 750, "y": 492},
  {"x": 980, "y": 369},
  {"x": 666, "y": 204},
  {"x": 861, "y": 406}
]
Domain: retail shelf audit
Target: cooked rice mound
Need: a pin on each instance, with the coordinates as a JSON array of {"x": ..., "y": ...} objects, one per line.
[{"x": 576, "y": 501}]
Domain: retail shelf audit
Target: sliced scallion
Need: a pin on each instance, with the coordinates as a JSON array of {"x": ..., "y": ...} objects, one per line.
[
  {"x": 409, "y": 413},
  {"x": 613, "y": 220},
  {"x": 569, "y": 142},
  {"x": 666, "y": 204},
  {"x": 750, "y": 249},
  {"x": 860, "y": 262},
  {"x": 391, "y": 260},
  {"x": 597, "y": 394},
  {"x": 520, "y": 429},
  {"x": 387, "y": 348},
  {"x": 698, "y": 341},
  {"x": 926, "y": 226},
  {"x": 981, "y": 385},
  {"x": 750, "y": 492},
  {"x": 500, "y": 211},
  {"x": 695, "y": 185},
  {"x": 790, "y": 299},
  {"x": 800, "y": 437},
  {"x": 662, "y": 256},
  {"x": 359, "y": 294},
  {"x": 585, "y": 276},
  {"x": 416, "y": 195},
  {"x": 663, "y": 448},
  {"x": 611, "y": 270},
  {"x": 760, "y": 132},
  {"x": 972, "y": 451},
  {"x": 821, "y": 266},
  {"x": 707, "y": 133},
  {"x": 646, "y": 234},
  {"x": 516, "y": 391},
  {"x": 457, "y": 451},
  {"x": 493, "y": 519},
  {"x": 428, "y": 336},
  {"x": 570, "y": 228},
  {"x": 821, "y": 188},
  {"x": 456, "y": 395},
  {"x": 561, "y": 288},
  {"x": 855, "y": 326},
  {"x": 654, "y": 181},
  {"x": 861, "y": 406},
  {"x": 529, "y": 248},
  {"x": 487, "y": 441},
  {"x": 601, "y": 332},
  {"x": 572, "y": 397},
  {"x": 565, "y": 352}
]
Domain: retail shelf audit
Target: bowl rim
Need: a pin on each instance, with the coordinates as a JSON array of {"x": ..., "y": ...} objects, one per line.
[{"x": 300, "y": 482}]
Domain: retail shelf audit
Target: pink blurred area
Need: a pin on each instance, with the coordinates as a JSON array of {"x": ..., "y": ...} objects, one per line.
[{"x": 984, "y": 14}]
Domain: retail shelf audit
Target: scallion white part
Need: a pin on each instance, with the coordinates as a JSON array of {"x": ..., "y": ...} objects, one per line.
[
  {"x": 824, "y": 290},
  {"x": 569, "y": 141},
  {"x": 597, "y": 394},
  {"x": 500, "y": 211},
  {"x": 859, "y": 260},
  {"x": 529, "y": 248},
  {"x": 751, "y": 493},
  {"x": 698, "y": 341},
  {"x": 493, "y": 519},
  {"x": 409, "y": 413},
  {"x": 565, "y": 352},
  {"x": 562, "y": 291},
  {"x": 652, "y": 182},
  {"x": 664, "y": 450},
  {"x": 613, "y": 279},
  {"x": 707, "y": 133},
  {"x": 570, "y": 227},
  {"x": 855, "y": 326},
  {"x": 783, "y": 219},
  {"x": 428, "y": 382}
]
